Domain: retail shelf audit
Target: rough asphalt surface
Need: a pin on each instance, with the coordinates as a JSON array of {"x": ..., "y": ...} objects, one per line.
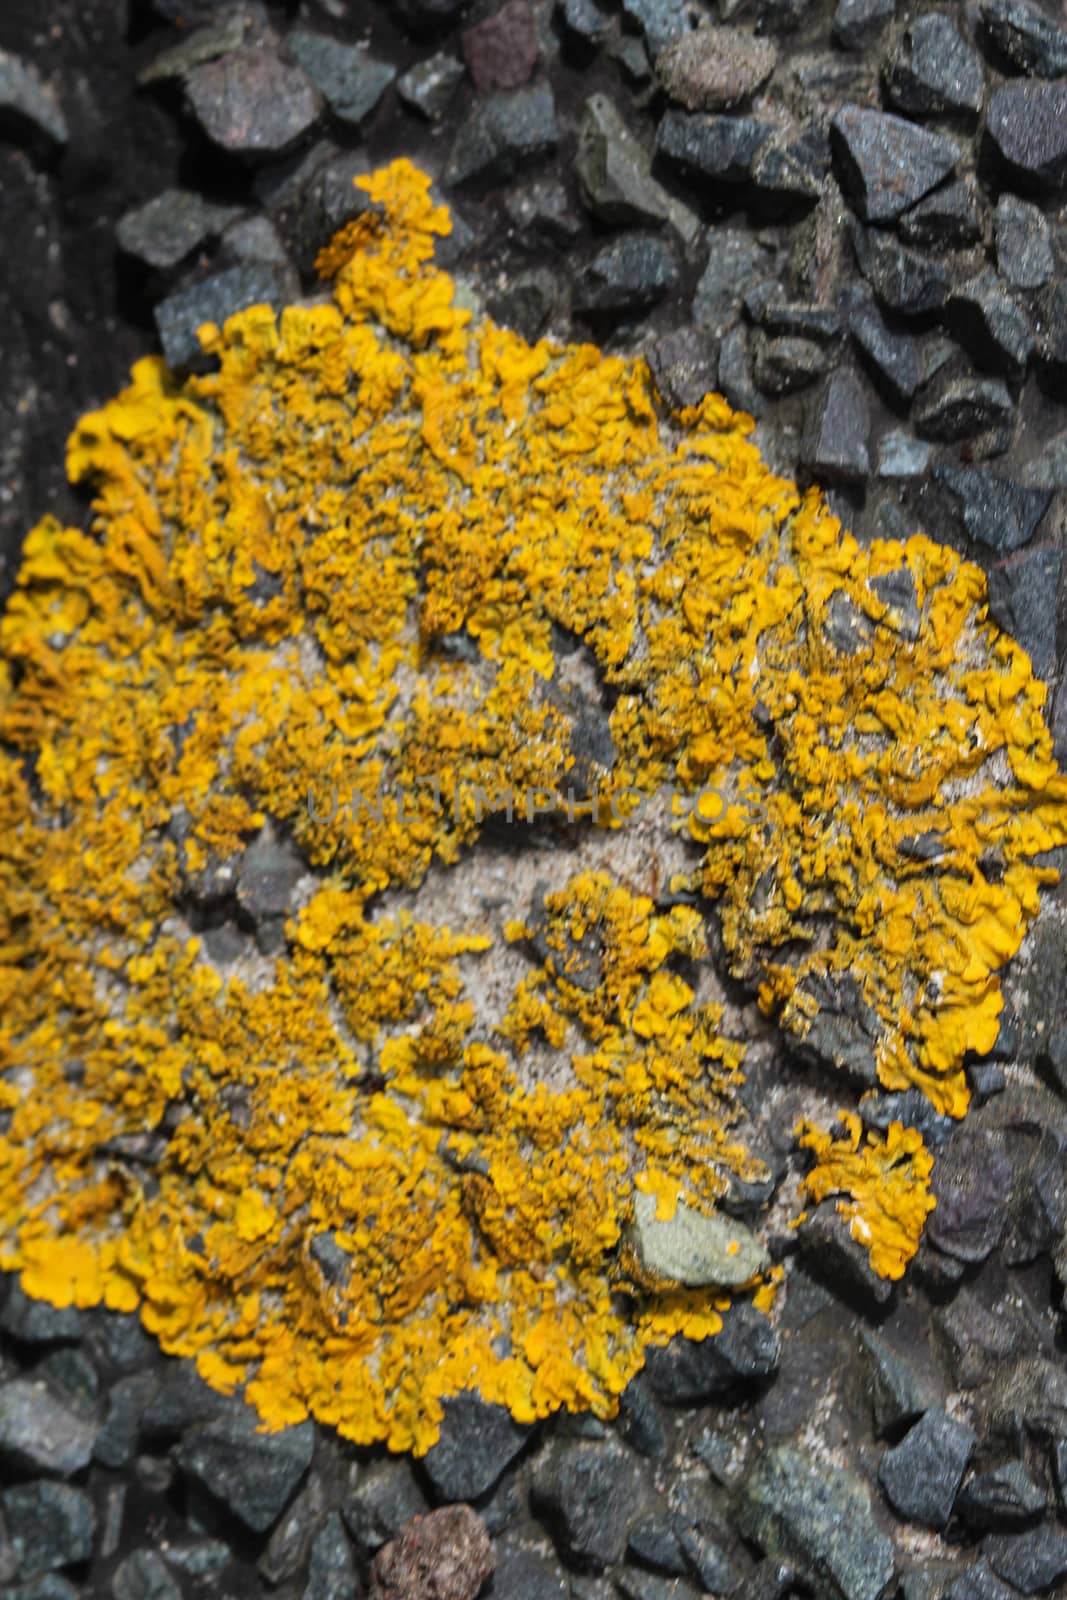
[{"x": 850, "y": 222}]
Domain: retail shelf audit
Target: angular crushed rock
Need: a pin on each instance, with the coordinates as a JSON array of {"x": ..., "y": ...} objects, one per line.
[
  {"x": 349, "y": 80},
  {"x": 932, "y": 69},
  {"x": 1026, "y": 126},
  {"x": 819, "y": 1517},
  {"x": 502, "y": 134},
  {"x": 27, "y": 102},
  {"x": 589, "y": 1492},
  {"x": 477, "y": 1442},
  {"x": 922, "y": 1474},
  {"x": 886, "y": 164},
  {"x": 41, "y": 1432},
  {"x": 214, "y": 299},
  {"x": 254, "y": 1474}
]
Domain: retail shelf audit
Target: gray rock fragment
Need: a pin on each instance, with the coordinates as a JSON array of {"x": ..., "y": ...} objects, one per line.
[
  {"x": 27, "y": 104},
  {"x": 1026, "y": 127},
  {"x": 214, "y": 299},
  {"x": 819, "y": 1517},
  {"x": 932, "y": 70},
  {"x": 40, "y": 1432},
  {"x": 429, "y": 85},
  {"x": 169, "y": 227},
  {"x": 502, "y": 134},
  {"x": 254, "y": 1474},
  {"x": 922, "y": 1474},
  {"x": 349, "y": 80},
  {"x": 1023, "y": 243},
  {"x": 886, "y": 164}
]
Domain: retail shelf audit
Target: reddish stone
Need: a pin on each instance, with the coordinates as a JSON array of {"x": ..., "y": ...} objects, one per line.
[
  {"x": 446, "y": 1555},
  {"x": 502, "y": 52}
]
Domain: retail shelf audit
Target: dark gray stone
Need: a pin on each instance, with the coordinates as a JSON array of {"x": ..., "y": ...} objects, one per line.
[
  {"x": 1026, "y": 126},
  {"x": 904, "y": 280},
  {"x": 253, "y": 1474},
  {"x": 349, "y": 80},
  {"x": 909, "y": 1106},
  {"x": 631, "y": 272},
  {"x": 50, "y": 1586},
  {"x": 922, "y": 1474},
  {"x": 899, "y": 1391},
  {"x": 886, "y": 164},
  {"x": 735, "y": 373},
  {"x": 997, "y": 511},
  {"x": 49, "y": 1525},
  {"x": 35, "y": 1322},
  {"x": 527, "y": 1574},
  {"x": 27, "y": 104},
  {"x": 1024, "y": 243},
  {"x": 782, "y": 366},
  {"x": 331, "y": 1570},
  {"x": 640, "y": 1419},
  {"x": 978, "y": 1583},
  {"x": 836, "y": 445},
  {"x": 686, "y": 1371},
  {"x": 477, "y": 1442},
  {"x": 381, "y": 1499},
  {"x": 215, "y": 299},
  {"x": 541, "y": 210},
  {"x": 660, "y": 21},
  {"x": 116, "y": 1443},
  {"x": 1023, "y": 593},
  {"x": 143, "y": 1575},
  {"x": 41, "y": 1432},
  {"x": 972, "y": 1184},
  {"x": 990, "y": 325},
  {"x": 955, "y": 406},
  {"x": 843, "y": 1263},
  {"x": 1002, "y": 1500},
  {"x": 426, "y": 15},
  {"x": 585, "y": 20},
  {"x": 168, "y": 228},
  {"x": 792, "y": 319},
  {"x": 526, "y": 302},
  {"x": 429, "y": 86},
  {"x": 950, "y": 217},
  {"x": 653, "y": 1540},
  {"x": 589, "y": 1493},
  {"x": 716, "y": 69},
  {"x": 183, "y": 1400},
  {"x": 502, "y": 135},
  {"x": 891, "y": 356},
  {"x": 1031, "y": 1562},
  {"x": 287, "y": 1548},
  {"x": 252, "y": 103},
  {"x": 715, "y": 150},
  {"x": 709, "y": 1562},
  {"x": 613, "y": 170},
  {"x": 201, "y": 1559},
  {"x": 790, "y": 177},
  {"x": 932, "y": 70},
  {"x": 857, "y": 23},
  {"x": 735, "y": 262},
  {"x": 819, "y": 1516},
  {"x": 1025, "y": 37},
  {"x": 685, "y": 365}
]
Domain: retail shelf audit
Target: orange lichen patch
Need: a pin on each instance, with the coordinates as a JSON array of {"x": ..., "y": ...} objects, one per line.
[
  {"x": 349, "y": 608},
  {"x": 887, "y": 1180}
]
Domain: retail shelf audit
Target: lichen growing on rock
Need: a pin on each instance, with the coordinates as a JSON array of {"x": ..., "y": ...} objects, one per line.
[{"x": 385, "y": 582}]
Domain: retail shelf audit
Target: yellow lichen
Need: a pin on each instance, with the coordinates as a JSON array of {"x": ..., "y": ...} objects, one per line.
[
  {"x": 322, "y": 597},
  {"x": 888, "y": 1181}
]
